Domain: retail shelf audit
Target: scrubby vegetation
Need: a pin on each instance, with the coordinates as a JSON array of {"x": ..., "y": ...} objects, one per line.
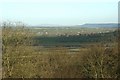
[{"x": 22, "y": 59}]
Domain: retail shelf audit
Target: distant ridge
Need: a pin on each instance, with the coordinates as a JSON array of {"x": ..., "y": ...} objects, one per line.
[
  {"x": 104, "y": 25},
  {"x": 88, "y": 25}
]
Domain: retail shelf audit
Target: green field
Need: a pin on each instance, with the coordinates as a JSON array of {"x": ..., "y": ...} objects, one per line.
[{"x": 57, "y": 31}]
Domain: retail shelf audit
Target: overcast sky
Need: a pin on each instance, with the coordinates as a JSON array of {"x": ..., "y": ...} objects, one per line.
[{"x": 60, "y": 12}]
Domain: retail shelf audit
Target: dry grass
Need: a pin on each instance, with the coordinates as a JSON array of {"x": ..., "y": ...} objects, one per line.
[{"x": 22, "y": 60}]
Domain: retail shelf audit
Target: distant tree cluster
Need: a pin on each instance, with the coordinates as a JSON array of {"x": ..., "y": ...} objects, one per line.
[{"x": 83, "y": 38}]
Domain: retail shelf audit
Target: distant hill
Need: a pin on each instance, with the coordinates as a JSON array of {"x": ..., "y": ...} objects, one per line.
[
  {"x": 94, "y": 25},
  {"x": 107, "y": 25}
]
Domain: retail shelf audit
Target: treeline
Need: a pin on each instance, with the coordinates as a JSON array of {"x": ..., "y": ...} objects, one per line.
[{"x": 83, "y": 38}]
